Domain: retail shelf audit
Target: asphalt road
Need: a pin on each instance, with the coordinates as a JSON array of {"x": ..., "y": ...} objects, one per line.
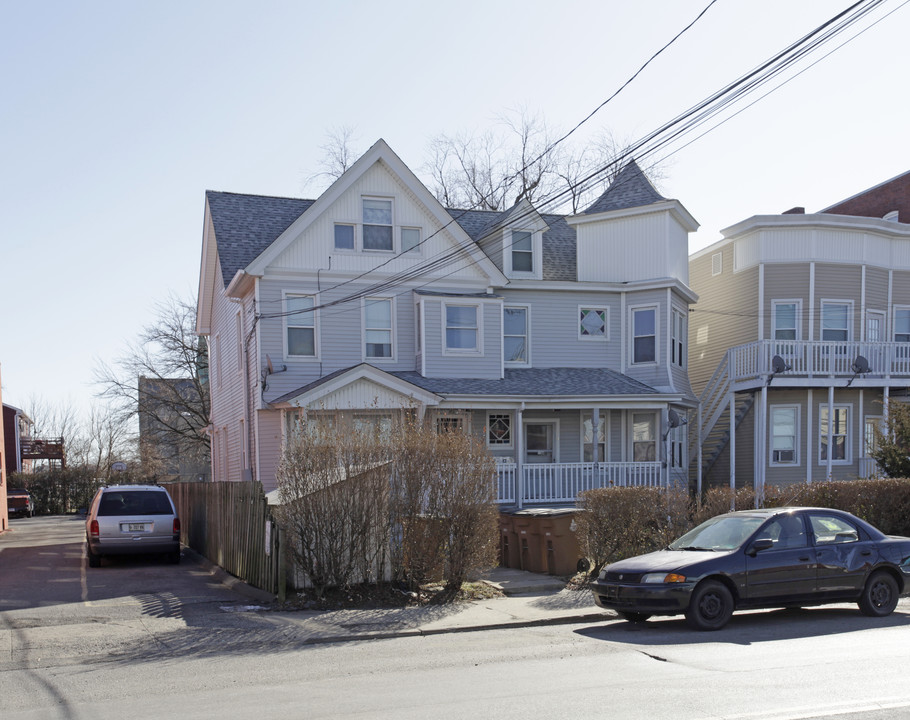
[{"x": 143, "y": 639}]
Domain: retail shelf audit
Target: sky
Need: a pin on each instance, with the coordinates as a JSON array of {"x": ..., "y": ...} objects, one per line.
[{"x": 116, "y": 117}]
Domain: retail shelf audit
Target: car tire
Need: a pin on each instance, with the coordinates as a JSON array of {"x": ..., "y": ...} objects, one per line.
[
  {"x": 634, "y": 617},
  {"x": 880, "y": 595},
  {"x": 94, "y": 560},
  {"x": 710, "y": 606}
]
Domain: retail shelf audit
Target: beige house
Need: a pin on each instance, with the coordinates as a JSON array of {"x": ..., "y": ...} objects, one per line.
[{"x": 800, "y": 337}]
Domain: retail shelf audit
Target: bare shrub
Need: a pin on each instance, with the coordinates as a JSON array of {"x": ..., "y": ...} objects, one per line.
[
  {"x": 443, "y": 506},
  {"x": 619, "y": 522},
  {"x": 333, "y": 488}
]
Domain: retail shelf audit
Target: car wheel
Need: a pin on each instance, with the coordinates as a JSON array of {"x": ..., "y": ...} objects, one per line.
[
  {"x": 879, "y": 596},
  {"x": 710, "y": 606},
  {"x": 634, "y": 617},
  {"x": 94, "y": 560}
]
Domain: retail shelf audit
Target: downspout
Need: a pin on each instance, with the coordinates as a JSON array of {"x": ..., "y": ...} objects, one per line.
[{"x": 830, "y": 430}]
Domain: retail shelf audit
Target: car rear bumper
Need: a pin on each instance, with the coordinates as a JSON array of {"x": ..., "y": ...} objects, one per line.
[
  {"x": 133, "y": 547},
  {"x": 657, "y": 599}
]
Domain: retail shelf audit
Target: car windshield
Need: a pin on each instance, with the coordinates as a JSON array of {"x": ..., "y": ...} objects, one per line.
[
  {"x": 720, "y": 533},
  {"x": 134, "y": 502}
]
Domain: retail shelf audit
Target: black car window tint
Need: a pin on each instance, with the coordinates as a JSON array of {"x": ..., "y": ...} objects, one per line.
[{"x": 787, "y": 532}]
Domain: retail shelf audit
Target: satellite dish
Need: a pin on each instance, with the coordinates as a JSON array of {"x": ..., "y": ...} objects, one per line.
[
  {"x": 672, "y": 418},
  {"x": 268, "y": 362},
  {"x": 861, "y": 365},
  {"x": 779, "y": 365}
]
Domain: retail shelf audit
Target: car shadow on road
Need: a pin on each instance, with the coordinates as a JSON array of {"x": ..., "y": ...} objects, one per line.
[{"x": 747, "y": 628}]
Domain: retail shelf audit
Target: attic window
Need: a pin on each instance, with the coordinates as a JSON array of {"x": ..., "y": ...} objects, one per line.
[
  {"x": 522, "y": 251},
  {"x": 717, "y": 263},
  {"x": 377, "y": 224}
]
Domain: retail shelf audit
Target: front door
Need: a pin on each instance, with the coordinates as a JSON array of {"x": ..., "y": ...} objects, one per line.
[{"x": 539, "y": 443}]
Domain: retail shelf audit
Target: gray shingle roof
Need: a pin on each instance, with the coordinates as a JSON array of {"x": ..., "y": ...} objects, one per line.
[
  {"x": 630, "y": 189},
  {"x": 536, "y": 382},
  {"x": 245, "y": 225}
]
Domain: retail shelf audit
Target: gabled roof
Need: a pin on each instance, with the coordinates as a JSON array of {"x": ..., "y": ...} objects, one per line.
[
  {"x": 629, "y": 189},
  {"x": 246, "y": 225}
]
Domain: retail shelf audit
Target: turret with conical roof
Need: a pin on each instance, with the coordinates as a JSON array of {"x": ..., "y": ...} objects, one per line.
[{"x": 631, "y": 188}]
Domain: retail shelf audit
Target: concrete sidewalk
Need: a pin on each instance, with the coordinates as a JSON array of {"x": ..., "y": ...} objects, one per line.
[{"x": 529, "y": 600}]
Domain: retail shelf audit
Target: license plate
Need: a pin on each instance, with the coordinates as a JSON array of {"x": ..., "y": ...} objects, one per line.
[{"x": 136, "y": 527}]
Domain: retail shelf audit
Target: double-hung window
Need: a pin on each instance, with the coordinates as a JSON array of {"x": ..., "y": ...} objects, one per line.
[
  {"x": 784, "y": 435},
  {"x": 300, "y": 321},
  {"x": 515, "y": 334},
  {"x": 902, "y": 324},
  {"x": 678, "y": 339},
  {"x": 378, "y": 330},
  {"x": 840, "y": 424},
  {"x": 377, "y": 224},
  {"x": 836, "y": 321},
  {"x": 644, "y": 437},
  {"x": 462, "y": 329},
  {"x": 785, "y": 320},
  {"x": 522, "y": 251},
  {"x": 592, "y": 323},
  {"x": 594, "y": 450},
  {"x": 644, "y": 335}
]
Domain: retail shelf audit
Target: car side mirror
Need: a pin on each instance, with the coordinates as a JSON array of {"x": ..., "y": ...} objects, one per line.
[{"x": 759, "y": 545}]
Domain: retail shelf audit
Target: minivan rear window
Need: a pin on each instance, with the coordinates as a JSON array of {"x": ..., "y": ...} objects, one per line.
[{"x": 134, "y": 502}]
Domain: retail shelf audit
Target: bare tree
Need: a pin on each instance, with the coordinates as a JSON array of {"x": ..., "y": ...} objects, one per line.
[
  {"x": 339, "y": 152},
  {"x": 162, "y": 380}
]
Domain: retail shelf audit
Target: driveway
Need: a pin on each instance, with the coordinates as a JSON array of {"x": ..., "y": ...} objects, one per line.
[{"x": 54, "y": 609}]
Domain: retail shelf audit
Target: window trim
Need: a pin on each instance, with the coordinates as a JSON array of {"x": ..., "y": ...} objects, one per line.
[
  {"x": 393, "y": 346},
  {"x": 632, "y": 336},
  {"x": 848, "y": 434},
  {"x": 797, "y": 319},
  {"x": 682, "y": 341},
  {"x": 536, "y": 254},
  {"x": 584, "y": 416},
  {"x": 797, "y": 460},
  {"x": 353, "y": 226},
  {"x": 284, "y": 339},
  {"x": 364, "y": 224},
  {"x": 500, "y": 446},
  {"x": 527, "y": 336},
  {"x": 593, "y": 338},
  {"x": 717, "y": 263},
  {"x": 655, "y": 431},
  {"x": 462, "y": 352},
  {"x": 821, "y": 318},
  {"x": 894, "y": 333}
]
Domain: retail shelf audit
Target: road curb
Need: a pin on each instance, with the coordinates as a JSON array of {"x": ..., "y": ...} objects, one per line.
[{"x": 398, "y": 634}]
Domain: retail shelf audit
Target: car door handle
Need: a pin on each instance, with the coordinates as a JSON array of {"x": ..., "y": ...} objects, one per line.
[
  {"x": 866, "y": 552},
  {"x": 804, "y": 559}
]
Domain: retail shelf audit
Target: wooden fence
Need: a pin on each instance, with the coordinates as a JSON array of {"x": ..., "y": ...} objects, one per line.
[{"x": 231, "y": 524}]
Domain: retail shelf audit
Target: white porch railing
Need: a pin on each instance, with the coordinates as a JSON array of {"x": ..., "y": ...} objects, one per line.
[
  {"x": 868, "y": 468},
  {"x": 561, "y": 482},
  {"x": 819, "y": 359}
]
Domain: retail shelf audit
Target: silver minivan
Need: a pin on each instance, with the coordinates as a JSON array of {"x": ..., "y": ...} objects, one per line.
[{"x": 132, "y": 519}]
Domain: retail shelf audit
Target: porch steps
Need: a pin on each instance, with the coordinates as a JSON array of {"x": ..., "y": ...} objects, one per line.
[{"x": 718, "y": 437}]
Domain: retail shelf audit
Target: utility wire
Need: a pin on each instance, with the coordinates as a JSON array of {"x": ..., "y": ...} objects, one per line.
[{"x": 650, "y": 144}]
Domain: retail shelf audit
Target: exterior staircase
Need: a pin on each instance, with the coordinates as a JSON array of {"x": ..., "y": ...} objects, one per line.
[{"x": 713, "y": 427}]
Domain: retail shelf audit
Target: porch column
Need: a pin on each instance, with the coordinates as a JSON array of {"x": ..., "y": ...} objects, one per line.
[
  {"x": 830, "y": 430},
  {"x": 698, "y": 449},
  {"x": 761, "y": 460},
  {"x": 810, "y": 437},
  {"x": 519, "y": 455},
  {"x": 732, "y": 401}
]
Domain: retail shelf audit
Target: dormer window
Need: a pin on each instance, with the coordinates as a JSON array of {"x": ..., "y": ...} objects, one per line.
[
  {"x": 377, "y": 224},
  {"x": 522, "y": 252}
]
